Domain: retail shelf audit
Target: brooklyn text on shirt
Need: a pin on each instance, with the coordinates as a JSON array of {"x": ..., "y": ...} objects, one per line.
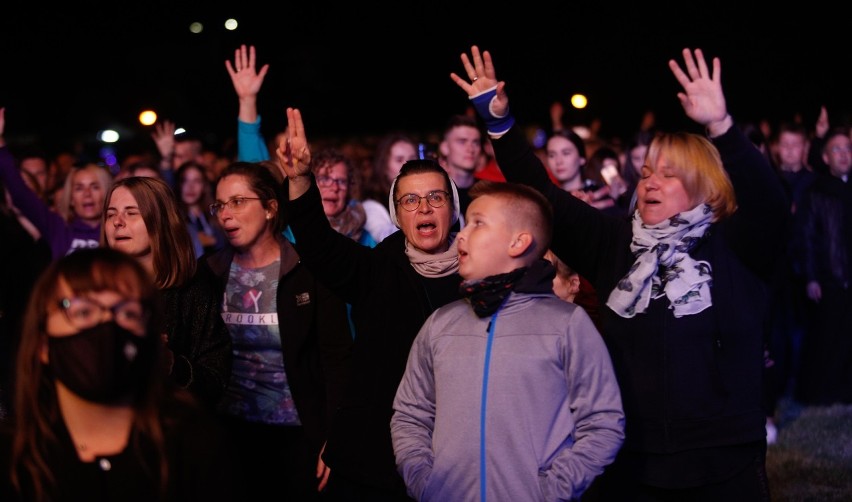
[{"x": 250, "y": 319}]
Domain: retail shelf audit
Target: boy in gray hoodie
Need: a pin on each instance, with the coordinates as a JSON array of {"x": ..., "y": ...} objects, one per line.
[{"x": 509, "y": 393}]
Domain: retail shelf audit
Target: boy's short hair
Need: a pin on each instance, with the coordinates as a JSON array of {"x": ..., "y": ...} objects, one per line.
[{"x": 529, "y": 209}]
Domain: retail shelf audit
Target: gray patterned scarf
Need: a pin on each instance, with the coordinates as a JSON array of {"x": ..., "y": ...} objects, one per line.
[{"x": 663, "y": 266}]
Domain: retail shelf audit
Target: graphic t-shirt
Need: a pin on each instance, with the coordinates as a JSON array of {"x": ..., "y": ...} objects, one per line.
[{"x": 258, "y": 389}]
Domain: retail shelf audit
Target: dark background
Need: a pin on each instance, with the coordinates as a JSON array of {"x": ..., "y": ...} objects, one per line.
[{"x": 362, "y": 69}]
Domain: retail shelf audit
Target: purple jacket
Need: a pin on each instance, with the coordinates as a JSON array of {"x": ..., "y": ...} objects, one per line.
[{"x": 63, "y": 237}]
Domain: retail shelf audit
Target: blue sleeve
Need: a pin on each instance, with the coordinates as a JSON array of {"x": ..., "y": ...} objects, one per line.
[{"x": 251, "y": 146}]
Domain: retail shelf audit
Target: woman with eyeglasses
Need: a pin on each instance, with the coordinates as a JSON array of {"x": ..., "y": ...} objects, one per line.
[
  {"x": 93, "y": 418},
  {"x": 290, "y": 337},
  {"x": 333, "y": 172},
  {"x": 142, "y": 219},
  {"x": 392, "y": 288}
]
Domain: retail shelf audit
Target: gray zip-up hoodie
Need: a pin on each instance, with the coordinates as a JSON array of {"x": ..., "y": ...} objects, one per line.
[{"x": 522, "y": 405}]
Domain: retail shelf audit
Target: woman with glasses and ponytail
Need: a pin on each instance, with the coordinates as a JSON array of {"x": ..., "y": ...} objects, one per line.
[
  {"x": 290, "y": 339},
  {"x": 93, "y": 418}
]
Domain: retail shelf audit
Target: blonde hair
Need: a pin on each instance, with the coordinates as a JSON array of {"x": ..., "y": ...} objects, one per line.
[
  {"x": 64, "y": 204},
  {"x": 698, "y": 165}
]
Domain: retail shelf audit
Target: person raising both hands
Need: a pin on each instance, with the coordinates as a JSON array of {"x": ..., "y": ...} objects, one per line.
[{"x": 683, "y": 287}]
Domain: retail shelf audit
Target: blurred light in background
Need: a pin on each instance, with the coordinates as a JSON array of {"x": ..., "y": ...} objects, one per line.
[
  {"x": 148, "y": 117},
  {"x": 109, "y": 136}
]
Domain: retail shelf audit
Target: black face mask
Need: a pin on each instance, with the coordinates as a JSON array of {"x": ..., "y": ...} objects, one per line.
[{"x": 104, "y": 363}]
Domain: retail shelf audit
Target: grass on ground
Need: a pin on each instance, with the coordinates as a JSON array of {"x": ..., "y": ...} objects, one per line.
[{"x": 812, "y": 459}]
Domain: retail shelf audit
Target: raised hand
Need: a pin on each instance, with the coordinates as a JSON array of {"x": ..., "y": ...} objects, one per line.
[
  {"x": 480, "y": 70},
  {"x": 557, "y": 111},
  {"x": 164, "y": 138},
  {"x": 822, "y": 125},
  {"x": 246, "y": 80},
  {"x": 702, "y": 97},
  {"x": 487, "y": 94},
  {"x": 294, "y": 153}
]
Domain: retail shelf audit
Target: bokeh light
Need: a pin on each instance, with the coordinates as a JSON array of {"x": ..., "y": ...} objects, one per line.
[{"x": 148, "y": 117}]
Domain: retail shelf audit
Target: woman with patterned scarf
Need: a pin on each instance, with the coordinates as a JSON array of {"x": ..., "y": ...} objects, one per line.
[
  {"x": 683, "y": 288},
  {"x": 392, "y": 288}
]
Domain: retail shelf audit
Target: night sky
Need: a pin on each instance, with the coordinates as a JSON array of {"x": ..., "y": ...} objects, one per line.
[{"x": 68, "y": 73}]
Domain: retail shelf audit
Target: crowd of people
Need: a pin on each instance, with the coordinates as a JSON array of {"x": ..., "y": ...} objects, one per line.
[{"x": 466, "y": 316}]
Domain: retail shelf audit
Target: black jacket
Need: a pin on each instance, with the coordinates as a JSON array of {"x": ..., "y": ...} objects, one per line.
[
  {"x": 198, "y": 338},
  {"x": 315, "y": 337},
  {"x": 693, "y": 382},
  {"x": 200, "y": 465},
  {"x": 826, "y": 216},
  {"x": 390, "y": 302}
]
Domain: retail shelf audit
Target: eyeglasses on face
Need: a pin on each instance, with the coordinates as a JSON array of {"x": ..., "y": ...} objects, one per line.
[
  {"x": 327, "y": 181},
  {"x": 84, "y": 313},
  {"x": 411, "y": 201},
  {"x": 235, "y": 205}
]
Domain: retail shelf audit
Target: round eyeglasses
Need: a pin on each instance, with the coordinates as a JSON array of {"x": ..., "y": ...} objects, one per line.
[
  {"x": 411, "y": 201},
  {"x": 86, "y": 313},
  {"x": 234, "y": 205}
]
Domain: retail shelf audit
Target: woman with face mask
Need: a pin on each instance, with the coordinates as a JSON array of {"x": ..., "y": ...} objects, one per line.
[{"x": 93, "y": 418}]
